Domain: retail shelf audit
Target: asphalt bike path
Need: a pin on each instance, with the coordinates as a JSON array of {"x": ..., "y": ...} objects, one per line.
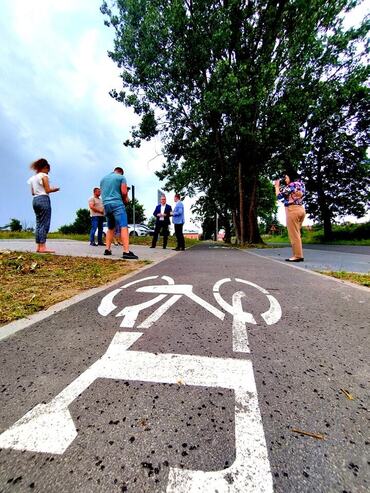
[{"x": 192, "y": 376}]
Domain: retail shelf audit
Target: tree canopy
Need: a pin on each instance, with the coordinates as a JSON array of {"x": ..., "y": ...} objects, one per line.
[
  {"x": 237, "y": 90},
  {"x": 81, "y": 225},
  {"x": 15, "y": 225},
  {"x": 139, "y": 212}
]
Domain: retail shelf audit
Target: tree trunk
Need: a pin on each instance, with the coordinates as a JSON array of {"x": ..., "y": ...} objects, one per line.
[
  {"x": 241, "y": 203},
  {"x": 253, "y": 230},
  {"x": 236, "y": 225}
]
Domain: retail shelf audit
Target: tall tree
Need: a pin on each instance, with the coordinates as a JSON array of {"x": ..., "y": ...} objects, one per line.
[
  {"x": 15, "y": 225},
  {"x": 139, "y": 212},
  {"x": 81, "y": 225},
  {"x": 336, "y": 134},
  {"x": 228, "y": 85}
]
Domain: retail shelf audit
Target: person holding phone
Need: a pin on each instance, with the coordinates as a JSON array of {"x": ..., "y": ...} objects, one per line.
[
  {"x": 291, "y": 194},
  {"x": 40, "y": 189}
]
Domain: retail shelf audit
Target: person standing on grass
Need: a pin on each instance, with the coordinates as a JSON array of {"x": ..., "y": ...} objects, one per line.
[
  {"x": 162, "y": 215},
  {"x": 115, "y": 195},
  {"x": 97, "y": 217},
  {"x": 40, "y": 189},
  {"x": 178, "y": 220},
  {"x": 291, "y": 194}
]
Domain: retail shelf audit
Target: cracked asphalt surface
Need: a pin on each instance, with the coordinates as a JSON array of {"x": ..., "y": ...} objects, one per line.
[{"x": 131, "y": 432}]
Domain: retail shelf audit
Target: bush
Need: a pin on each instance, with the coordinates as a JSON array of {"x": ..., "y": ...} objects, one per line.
[
  {"x": 352, "y": 232},
  {"x": 81, "y": 225}
]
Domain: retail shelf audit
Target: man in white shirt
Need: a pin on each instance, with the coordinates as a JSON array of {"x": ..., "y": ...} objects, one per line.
[{"x": 162, "y": 214}]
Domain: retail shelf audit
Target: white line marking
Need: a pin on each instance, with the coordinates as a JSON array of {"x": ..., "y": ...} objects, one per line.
[
  {"x": 130, "y": 313},
  {"x": 49, "y": 428},
  {"x": 138, "y": 280},
  {"x": 273, "y": 314},
  {"x": 218, "y": 284},
  {"x": 148, "y": 322},
  {"x": 168, "y": 279},
  {"x": 240, "y": 334},
  {"x": 106, "y": 305},
  {"x": 184, "y": 289}
]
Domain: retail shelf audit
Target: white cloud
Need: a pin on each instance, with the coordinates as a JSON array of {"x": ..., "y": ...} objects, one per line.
[{"x": 55, "y": 104}]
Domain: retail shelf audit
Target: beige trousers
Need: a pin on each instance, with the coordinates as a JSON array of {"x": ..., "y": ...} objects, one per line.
[{"x": 294, "y": 219}]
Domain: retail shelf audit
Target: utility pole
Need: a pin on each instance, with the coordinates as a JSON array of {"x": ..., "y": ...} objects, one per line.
[
  {"x": 216, "y": 235},
  {"x": 133, "y": 208}
]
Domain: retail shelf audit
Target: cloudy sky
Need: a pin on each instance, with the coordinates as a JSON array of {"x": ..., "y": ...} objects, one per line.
[{"x": 54, "y": 84}]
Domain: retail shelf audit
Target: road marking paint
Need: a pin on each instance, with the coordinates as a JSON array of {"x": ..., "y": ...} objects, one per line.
[
  {"x": 273, "y": 314},
  {"x": 182, "y": 289},
  {"x": 148, "y": 322},
  {"x": 50, "y": 428},
  {"x": 218, "y": 284},
  {"x": 130, "y": 313},
  {"x": 240, "y": 334},
  {"x": 106, "y": 305},
  {"x": 139, "y": 280}
]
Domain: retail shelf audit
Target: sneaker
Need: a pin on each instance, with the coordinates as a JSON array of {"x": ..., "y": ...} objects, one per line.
[
  {"x": 152, "y": 246},
  {"x": 107, "y": 252},
  {"x": 129, "y": 256},
  {"x": 93, "y": 244},
  {"x": 101, "y": 244}
]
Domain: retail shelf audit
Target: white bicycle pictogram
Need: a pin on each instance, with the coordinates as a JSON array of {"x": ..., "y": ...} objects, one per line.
[{"x": 49, "y": 428}]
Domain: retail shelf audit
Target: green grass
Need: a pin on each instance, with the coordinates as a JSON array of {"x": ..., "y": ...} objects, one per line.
[
  {"x": 355, "y": 277},
  {"x": 134, "y": 240},
  {"x": 313, "y": 238},
  {"x": 31, "y": 282}
]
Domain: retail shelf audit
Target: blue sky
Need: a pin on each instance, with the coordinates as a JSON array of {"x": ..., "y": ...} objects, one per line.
[{"x": 55, "y": 80}]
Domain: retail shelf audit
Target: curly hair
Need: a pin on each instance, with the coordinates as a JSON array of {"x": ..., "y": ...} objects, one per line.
[{"x": 40, "y": 164}]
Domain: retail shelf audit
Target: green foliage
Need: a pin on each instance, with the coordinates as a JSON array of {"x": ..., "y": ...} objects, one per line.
[
  {"x": 237, "y": 90},
  {"x": 348, "y": 232},
  {"x": 151, "y": 222},
  {"x": 15, "y": 225},
  {"x": 81, "y": 225},
  {"x": 139, "y": 212}
]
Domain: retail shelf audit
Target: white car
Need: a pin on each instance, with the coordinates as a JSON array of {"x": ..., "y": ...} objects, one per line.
[{"x": 140, "y": 230}]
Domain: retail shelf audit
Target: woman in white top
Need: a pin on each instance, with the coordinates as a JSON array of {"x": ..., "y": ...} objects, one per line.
[{"x": 41, "y": 188}]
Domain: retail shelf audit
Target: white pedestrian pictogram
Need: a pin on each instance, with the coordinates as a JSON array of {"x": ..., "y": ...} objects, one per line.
[{"x": 49, "y": 428}]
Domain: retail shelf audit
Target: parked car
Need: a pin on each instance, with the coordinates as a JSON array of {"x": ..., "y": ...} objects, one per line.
[{"x": 140, "y": 230}]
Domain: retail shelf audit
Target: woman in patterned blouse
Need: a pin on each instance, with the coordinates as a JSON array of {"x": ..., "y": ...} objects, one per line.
[{"x": 291, "y": 194}]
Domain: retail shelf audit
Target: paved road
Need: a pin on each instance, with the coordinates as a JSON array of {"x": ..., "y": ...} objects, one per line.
[
  {"x": 317, "y": 257},
  {"x": 347, "y": 258},
  {"x": 175, "y": 397}
]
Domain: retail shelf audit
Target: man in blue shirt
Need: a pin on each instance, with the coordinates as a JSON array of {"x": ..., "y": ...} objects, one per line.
[
  {"x": 178, "y": 220},
  {"x": 114, "y": 194}
]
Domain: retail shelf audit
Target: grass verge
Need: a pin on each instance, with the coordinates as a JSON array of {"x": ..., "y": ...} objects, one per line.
[
  {"x": 134, "y": 240},
  {"x": 32, "y": 282},
  {"x": 355, "y": 277}
]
